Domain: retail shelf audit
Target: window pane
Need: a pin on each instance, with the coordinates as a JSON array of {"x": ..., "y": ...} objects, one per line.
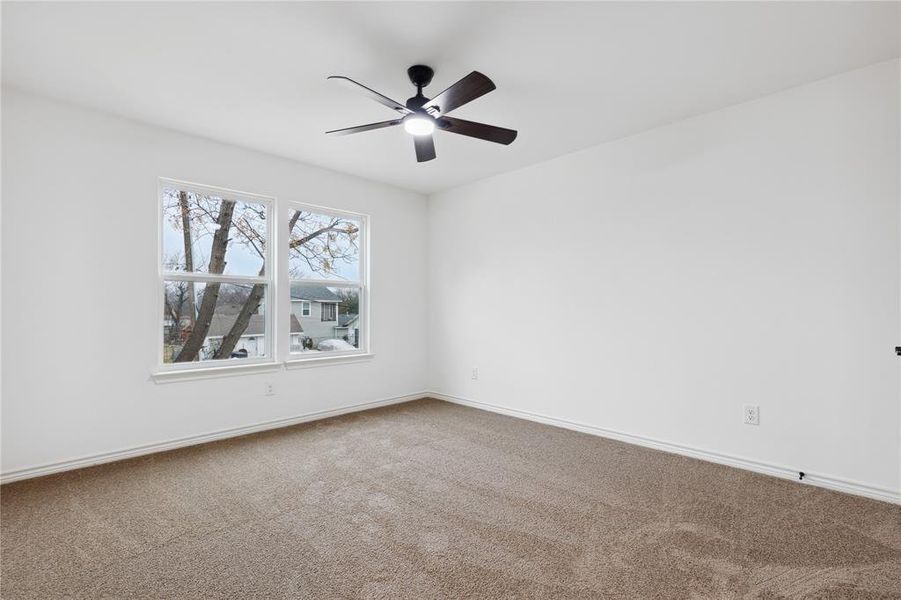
[
  {"x": 234, "y": 314},
  {"x": 207, "y": 233},
  {"x": 329, "y": 311},
  {"x": 323, "y": 247},
  {"x": 341, "y": 332}
]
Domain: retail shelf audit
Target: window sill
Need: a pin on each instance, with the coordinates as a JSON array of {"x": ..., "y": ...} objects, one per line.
[
  {"x": 172, "y": 375},
  {"x": 325, "y": 361}
]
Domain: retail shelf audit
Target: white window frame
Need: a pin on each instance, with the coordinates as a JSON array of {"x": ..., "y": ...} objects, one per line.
[
  {"x": 363, "y": 284},
  {"x": 269, "y": 279},
  {"x": 306, "y": 308}
]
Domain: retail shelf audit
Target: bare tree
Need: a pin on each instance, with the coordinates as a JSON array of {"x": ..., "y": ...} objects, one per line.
[
  {"x": 252, "y": 304},
  {"x": 195, "y": 341},
  {"x": 320, "y": 243},
  {"x": 189, "y": 250},
  {"x": 176, "y": 297},
  {"x": 350, "y": 301}
]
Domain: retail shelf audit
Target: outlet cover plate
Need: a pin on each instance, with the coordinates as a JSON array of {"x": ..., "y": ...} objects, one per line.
[{"x": 751, "y": 414}]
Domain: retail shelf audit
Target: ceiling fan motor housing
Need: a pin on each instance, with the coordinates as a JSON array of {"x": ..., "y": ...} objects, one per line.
[
  {"x": 420, "y": 76},
  {"x": 415, "y": 103}
]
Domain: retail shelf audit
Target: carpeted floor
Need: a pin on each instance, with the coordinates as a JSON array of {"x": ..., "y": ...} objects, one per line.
[{"x": 432, "y": 500}]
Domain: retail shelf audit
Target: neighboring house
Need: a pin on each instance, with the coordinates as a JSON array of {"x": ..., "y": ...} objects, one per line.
[
  {"x": 253, "y": 339},
  {"x": 348, "y": 328},
  {"x": 317, "y": 309}
]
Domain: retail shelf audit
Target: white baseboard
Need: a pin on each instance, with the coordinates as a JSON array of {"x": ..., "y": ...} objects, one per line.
[
  {"x": 824, "y": 481},
  {"x": 106, "y": 457}
]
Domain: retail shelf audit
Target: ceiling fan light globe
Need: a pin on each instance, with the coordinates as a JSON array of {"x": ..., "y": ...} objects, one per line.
[{"x": 419, "y": 126}]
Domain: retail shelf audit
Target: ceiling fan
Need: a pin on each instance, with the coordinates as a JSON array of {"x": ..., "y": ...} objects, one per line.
[{"x": 421, "y": 116}]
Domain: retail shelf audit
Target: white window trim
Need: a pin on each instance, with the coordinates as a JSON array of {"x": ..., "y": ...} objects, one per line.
[
  {"x": 216, "y": 371},
  {"x": 202, "y": 369},
  {"x": 306, "y": 308},
  {"x": 364, "y": 352},
  {"x": 334, "y": 358}
]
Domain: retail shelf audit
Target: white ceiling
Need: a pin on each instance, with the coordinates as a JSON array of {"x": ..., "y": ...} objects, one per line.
[{"x": 568, "y": 75}]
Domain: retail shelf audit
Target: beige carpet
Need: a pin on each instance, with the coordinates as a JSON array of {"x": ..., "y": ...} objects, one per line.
[{"x": 432, "y": 500}]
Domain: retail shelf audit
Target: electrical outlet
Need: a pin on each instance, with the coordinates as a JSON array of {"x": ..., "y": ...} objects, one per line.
[
  {"x": 752, "y": 414},
  {"x": 268, "y": 390},
  {"x": 475, "y": 373}
]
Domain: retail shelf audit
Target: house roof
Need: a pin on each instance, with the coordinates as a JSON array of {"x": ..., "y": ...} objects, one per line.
[
  {"x": 230, "y": 309},
  {"x": 346, "y": 319},
  {"x": 316, "y": 293},
  {"x": 220, "y": 325}
]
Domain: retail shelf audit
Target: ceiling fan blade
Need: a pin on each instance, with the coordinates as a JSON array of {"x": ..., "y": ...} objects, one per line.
[
  {"x": 392, "y": 104},
  {"x": 425, "y": 147},
  {"x": 499, "y": 135},
  {"x": 466, "y": 90},
  {"x": 361, "y": 128}
]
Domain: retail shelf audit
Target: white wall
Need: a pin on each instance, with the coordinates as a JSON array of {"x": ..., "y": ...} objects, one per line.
[
  {"x": 750, "y": 255},
  {"x": 655, "y": 284},
  {"x": 79, "y": 261}
]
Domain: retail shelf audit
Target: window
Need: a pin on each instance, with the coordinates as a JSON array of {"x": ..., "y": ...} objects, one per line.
[
  {"x": 327, "y": 270},
  {"x": 217, "y": 280},
  {"x": 215, "y": 276},
  {"x": 329, "y": 312}
]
